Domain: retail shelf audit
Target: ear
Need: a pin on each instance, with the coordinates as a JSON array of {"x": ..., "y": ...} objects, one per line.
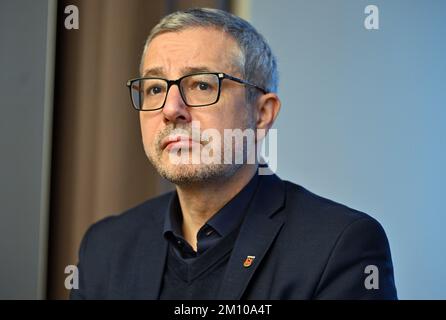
[{"x": 267, "y": 108}]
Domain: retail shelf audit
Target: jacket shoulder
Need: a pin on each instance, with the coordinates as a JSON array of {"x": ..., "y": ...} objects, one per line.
[
  {"x": 121, "y": 229},
  {"x": 311, "y": 208},
  {"x": 147, "y": 213},
  {"x": 111, "y": 240},
  {"x": 337, "y": 244}
]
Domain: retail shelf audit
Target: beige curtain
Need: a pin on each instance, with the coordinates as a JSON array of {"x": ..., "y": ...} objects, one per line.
[{"x": 98, "y": 164}]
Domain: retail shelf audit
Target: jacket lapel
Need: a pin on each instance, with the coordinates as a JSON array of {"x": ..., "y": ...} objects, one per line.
[{"x": 257, "y": 232}]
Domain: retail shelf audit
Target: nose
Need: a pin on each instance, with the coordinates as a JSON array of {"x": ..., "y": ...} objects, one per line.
[{"x": 175, "y": 110}]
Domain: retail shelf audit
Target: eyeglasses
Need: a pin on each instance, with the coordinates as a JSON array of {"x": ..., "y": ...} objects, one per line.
[{"x": 197, "y": 90}]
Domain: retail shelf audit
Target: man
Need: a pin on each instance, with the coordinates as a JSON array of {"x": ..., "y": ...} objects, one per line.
[{"x": 226, "y": 232}]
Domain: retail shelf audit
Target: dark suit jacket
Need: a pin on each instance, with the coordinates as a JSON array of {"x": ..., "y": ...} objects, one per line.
[{"x": 305, "y": 247}]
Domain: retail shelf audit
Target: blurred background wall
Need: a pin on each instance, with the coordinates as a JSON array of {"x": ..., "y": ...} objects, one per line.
[{"x": 361, "y": 123}]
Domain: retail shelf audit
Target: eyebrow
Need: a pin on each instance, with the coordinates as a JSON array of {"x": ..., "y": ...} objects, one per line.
[
  {"x": 159, "y": 71},
  {"x": 153, "y": 72}
]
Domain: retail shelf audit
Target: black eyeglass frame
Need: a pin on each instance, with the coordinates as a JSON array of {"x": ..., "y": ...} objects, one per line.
[{"x": 170, "y": 83}]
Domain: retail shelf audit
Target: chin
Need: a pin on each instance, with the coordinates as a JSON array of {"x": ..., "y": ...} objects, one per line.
[{"x": 184, "y": 174}]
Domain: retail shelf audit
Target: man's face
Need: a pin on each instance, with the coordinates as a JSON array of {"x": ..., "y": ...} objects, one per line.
[{"x": 175, "y": 54}]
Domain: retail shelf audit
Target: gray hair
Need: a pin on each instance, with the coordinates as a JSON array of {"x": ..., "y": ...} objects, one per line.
[{"x": 257, "y": 63}]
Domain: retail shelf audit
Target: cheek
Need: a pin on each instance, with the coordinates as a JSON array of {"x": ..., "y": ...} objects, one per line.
[
  {"x": 233, "y": 120},
  {"x": 218, "y": 119},
  {"x": 235, "y": 113},
  {"x": 148, "y": 129}
]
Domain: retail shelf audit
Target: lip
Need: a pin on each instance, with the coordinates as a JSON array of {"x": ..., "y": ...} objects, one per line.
[{"x": 177, "y": 142}]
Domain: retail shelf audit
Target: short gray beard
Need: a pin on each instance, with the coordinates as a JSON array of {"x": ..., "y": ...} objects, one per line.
[
  {"x": 197, "y": 174},
  {"x": 192, "y": 174}
]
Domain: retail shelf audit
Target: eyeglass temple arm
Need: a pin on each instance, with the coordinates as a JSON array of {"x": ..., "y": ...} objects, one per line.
[{"x": 243, "y": 82}]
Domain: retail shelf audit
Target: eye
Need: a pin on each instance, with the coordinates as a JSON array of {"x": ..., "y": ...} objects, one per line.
[
  {"x": 200, "y": 84},
  {"x": 203, "y": 86},
  {"x": 154, "y": 90}
]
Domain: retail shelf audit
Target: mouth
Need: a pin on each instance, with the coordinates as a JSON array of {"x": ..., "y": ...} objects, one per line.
[{"x": 177, "y": 142}]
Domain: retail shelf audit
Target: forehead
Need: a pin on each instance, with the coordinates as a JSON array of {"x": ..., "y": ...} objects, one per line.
[{"x": 172, "y": 52}]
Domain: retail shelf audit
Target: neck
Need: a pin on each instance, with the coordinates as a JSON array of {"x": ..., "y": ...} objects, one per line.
[{"x": 200, "y": 202}]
